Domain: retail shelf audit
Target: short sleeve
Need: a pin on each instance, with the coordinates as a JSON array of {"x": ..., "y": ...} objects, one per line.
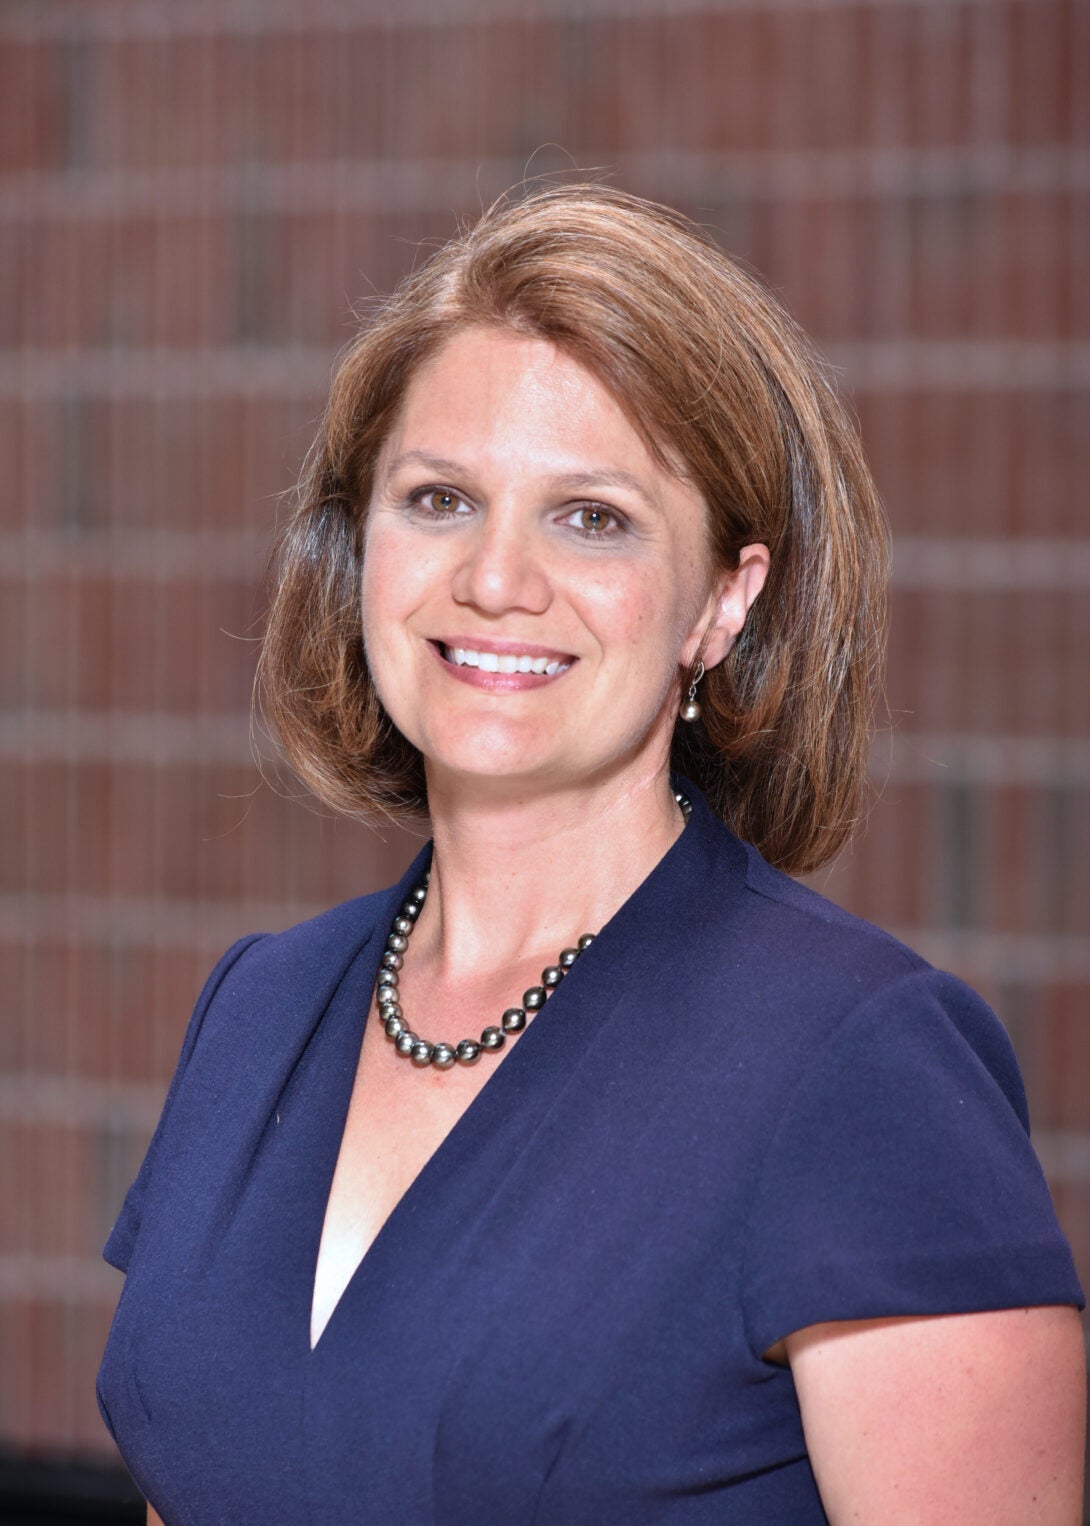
[
  {"x": 900, "y": 1179},
  {"x": 122, "y": 1238}
]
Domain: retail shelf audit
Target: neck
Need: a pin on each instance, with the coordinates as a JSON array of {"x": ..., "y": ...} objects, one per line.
[{"x": 528, "y": 876}]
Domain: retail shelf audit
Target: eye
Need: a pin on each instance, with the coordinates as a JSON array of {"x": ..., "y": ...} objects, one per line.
[
  {"x": 438, "y": 502},
  {"x": 594, "y": 521}
]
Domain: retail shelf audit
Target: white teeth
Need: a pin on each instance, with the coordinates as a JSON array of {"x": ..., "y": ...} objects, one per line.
[{"x": 509, "y": 662}]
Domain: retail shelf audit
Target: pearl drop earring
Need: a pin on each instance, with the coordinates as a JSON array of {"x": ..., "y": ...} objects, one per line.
[{"x": 690, "y": 710}]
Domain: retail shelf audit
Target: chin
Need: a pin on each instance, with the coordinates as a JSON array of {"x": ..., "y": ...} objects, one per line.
[
  {"x": 477, "y": 768},
  {"x": 473, "y": 747},
  {"x": 472, "y": 767}
]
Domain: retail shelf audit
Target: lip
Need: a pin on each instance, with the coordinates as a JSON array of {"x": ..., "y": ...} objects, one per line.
[
  {"x": 505, "y": 648},
  {"x": 500, "y": 683}
]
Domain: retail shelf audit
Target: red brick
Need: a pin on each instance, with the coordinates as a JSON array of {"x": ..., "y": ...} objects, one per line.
[
  {"x": 178, "y": 645},
  {"x": 49, "y": 1354},
  {"x": 868, "y": 75},
  {"x": 986, "y": 465},
  {"x": 54, "y": 1168},
  {"x": 181, "y": 831},
  {"x": 1040, "y": 91},
  {"x": 31, "y": 110},
  {"x": 1073, "y": 1208},
  {"x": 973, "y": 265},
  {"x": 989, "y": 662},
  {"x": 895, "y": 831},
  {"x": 110, "y": 1012}
]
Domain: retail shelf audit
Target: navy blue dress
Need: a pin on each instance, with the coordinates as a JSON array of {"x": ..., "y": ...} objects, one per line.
[{"x": 742, "y": 1113}]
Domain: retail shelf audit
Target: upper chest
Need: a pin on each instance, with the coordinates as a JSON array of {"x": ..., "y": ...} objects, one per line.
[
  {"x": 398, "y": 1117},
  {"x": 399, "y": 1114}
]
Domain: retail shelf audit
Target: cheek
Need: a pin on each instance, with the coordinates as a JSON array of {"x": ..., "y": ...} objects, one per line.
[
  {"x": 381, "y": 616},
  {"x": 390, "y": 586},
  {"x": 643, "y": 616},
  {"x": 372, "y": 605}
]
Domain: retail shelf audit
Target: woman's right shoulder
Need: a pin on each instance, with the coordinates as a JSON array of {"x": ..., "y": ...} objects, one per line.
[
  {"x": 253, "y": 1018},
  {"x": 262, "y": 974},
  {"x": 347, "y": 925},
  {"x": 341, "y": 930}
]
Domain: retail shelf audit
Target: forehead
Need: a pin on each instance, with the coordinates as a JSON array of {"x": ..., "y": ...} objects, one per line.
[{"x": 496, "y": 389}]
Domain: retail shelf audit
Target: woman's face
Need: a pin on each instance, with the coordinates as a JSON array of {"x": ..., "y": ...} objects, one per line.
[{"x": 533, "y": 580}]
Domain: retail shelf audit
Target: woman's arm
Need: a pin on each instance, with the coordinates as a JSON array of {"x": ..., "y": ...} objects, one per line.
[
  {"x": 965, "y": 1418},
  {"x": 154, "y": 1519}
]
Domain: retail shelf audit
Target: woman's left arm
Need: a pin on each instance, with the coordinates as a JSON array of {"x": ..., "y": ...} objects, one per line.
[{"x": 962, "y": 1418}]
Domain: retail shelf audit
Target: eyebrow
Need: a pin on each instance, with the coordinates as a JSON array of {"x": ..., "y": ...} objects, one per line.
[
  {"x": 566, "y": 481},
  {"x": 438, "y": 464}
]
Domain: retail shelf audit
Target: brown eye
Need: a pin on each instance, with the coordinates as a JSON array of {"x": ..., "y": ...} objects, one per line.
[
  {"x": 593, "y": 520},
  {"x": 442, "y": 502}
]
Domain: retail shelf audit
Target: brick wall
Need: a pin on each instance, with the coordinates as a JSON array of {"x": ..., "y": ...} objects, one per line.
[{"x": 192, "y": 197}]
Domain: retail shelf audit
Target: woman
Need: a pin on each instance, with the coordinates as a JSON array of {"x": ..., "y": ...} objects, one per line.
[{"x": 730, "y": 1214}]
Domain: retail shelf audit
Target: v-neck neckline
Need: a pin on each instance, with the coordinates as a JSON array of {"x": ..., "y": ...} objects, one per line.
[
  {"x": 447, "y": 1145},
  {"x": 534, "y": 1071},
  {"x": 349, "y": 1036}
]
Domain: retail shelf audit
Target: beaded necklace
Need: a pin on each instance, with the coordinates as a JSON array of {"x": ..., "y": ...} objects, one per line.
[{"x": 442, "y": 1055}]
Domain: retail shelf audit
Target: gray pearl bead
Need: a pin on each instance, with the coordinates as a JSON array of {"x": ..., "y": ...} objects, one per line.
[
  {"x": 467, "y": 1052},
  {"x": 690, "y": 711}
]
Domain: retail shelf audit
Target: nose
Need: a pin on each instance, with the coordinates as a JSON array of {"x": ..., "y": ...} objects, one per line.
[{"x": 502, "y": 568}]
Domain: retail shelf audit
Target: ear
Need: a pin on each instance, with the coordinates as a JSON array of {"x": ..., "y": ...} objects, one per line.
[{"x": 727, "y": 606}]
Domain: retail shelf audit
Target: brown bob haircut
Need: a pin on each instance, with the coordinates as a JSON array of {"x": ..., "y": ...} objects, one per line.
[{"x": 727, "y": 392}]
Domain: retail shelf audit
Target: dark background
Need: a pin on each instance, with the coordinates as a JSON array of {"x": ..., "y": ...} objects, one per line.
[{"x": 193, "y": 198}]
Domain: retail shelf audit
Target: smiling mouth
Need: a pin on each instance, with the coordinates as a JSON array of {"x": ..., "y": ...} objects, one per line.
[{"x": 503, "y": 662}]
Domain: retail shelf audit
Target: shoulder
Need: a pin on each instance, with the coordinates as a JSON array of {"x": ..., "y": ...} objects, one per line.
[
  {"x": 765, "y": 921},
  {"x": 799, "y": 979},
  {"x": 267, "y": 984},
  {"x": 893, "y": 1174},
  {"x": 321, "y": 942},
  {"x": 339, "y": 926},
  {"x": 812, "y": 922},
  {"x": 780, "y": 943}
]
